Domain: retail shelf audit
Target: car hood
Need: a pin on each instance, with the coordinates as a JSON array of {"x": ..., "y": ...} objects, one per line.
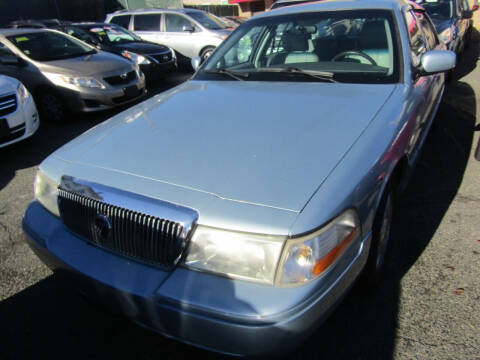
[
  {"x": 88, "y": 65},
  {"x": 140, "y": 47},
  {"x": 269, "y": 144},
  {"x": 8, "y": 85}
]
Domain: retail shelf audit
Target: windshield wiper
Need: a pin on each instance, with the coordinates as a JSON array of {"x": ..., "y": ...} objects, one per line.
[
  {"x": 320, "y": 75},
  {"x": 234, "y": 74}
]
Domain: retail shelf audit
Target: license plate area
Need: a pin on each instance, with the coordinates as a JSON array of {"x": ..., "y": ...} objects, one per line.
[
  {"x": 4, "y": 128},
  {"x": 131, "y": 91}
]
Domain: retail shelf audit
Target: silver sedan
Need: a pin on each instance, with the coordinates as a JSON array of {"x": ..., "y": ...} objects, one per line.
[{"x": 244, "y": 203}]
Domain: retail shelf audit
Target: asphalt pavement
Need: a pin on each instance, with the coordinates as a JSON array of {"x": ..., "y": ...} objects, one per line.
[{"x": 427, "y": 307}]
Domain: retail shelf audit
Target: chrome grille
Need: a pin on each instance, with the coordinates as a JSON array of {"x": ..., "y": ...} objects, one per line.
[
  {"x": 8, "y": 104},
  {"x": 144, "y": 237}
]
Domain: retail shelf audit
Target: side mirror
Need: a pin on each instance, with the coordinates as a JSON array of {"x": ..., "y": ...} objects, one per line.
[
  {"x": 188, "y": 28},
  {"x": 436, "y": 61},
  {"x": 12, "y": 60},
  {"x": 196, "y": 61},
  {"x": 467, "y": 14}
]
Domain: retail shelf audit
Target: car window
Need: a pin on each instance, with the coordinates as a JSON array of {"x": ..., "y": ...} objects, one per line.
[
  {"x": 46, "y": 46},
  {"x": 121, "y": 20},
  {"x": 111, "y": 34},
  {"x": 78, "y": 33},
  {"x": 6, "y": 54},
  {"x": 207, "y": 20},
  {"x": 146, "y": 22},
  {"x": 438, "y": 9},
  {"x": 240, "y": 53},
  {"x": 354, "y": 45},
  {"x": 175, "y": 23},
  {"x": 428, "y": 30},
  {"x": 417, "y": 41}
]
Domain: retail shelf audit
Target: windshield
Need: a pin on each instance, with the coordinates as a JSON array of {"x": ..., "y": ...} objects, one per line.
[
  {"x": 47, "y": 46},
  {"x": 345, "y": 46},
  {"x": 113, "y": 34},
  {"x": 208, "y": 21},
  {"x": 438, "y": 9}
]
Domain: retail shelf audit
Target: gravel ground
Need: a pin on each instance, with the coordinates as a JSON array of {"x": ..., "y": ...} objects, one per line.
[{"x": 426, "y": 308}]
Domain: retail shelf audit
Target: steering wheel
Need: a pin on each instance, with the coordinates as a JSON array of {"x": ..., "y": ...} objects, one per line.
[{"x": 345, "y": 54}]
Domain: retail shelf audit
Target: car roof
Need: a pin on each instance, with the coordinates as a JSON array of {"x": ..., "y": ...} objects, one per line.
[
  {"x": 330, "y": 5},
  {"x": 20, "y": 31},
  {"x": 92, "y": 24},
  {"x": 154, "y": 10}
]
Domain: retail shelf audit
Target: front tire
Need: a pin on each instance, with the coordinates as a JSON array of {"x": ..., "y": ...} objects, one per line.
[
  {"x": 52, "y": 107},
  {"x": 381, "y": 235},
  {"x": 206, "y": 53}
]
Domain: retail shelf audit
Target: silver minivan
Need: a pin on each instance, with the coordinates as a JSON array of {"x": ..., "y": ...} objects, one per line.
[{"x": 189, "y": 32}]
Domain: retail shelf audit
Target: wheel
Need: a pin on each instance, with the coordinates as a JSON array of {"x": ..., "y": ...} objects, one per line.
[
  {"x": 52, "y": 107},
  {"x": 345, "y": 54},
  {"x": 381, "y": 233},
  {"x": 206, "y": 53}
]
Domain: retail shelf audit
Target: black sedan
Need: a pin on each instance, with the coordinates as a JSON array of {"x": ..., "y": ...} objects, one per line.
[{"x": 155, "y": 60}]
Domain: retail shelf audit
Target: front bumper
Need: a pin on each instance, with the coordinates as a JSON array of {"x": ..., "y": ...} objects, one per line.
[
  {"x": 219, "y": 314},
  {"x": 24, "y": 121},
  {"x": 93, "y": 99},
  {"x": 156, "y": 70}
]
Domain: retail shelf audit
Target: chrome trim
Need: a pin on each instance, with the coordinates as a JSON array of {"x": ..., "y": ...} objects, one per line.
[
  {"x": 187, "y": 217},
  {"x": 17, "y": 130}
]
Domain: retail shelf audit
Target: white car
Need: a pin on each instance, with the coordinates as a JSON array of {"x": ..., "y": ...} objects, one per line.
[{"x": 18, "y": 113}]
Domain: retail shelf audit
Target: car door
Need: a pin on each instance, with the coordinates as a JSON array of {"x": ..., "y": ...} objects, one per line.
[
  {"x": 148, "y": 27},
  {"x": 427, "y": 89},
  {"x": 179, "y": 34}
]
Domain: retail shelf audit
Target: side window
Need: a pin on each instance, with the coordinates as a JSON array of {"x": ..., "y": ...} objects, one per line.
[
  {"x": 121, "y": 20},
  {"x": 175, "y": 23},
  {"x": 428, "y": 30},
  {"x": 146, "y": 22},
  {"x": 240, "y": 53},
  {"x": 417, "y": 42}
]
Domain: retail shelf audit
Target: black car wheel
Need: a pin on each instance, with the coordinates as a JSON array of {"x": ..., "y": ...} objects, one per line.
[
  {"x": 381, "y": 234},
  {"x": 206, "y": 53},
  {"x": 52, "y": 107}
]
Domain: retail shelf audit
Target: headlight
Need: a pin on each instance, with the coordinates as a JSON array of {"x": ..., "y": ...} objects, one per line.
[
  {"x": 73, "y": 82},
  {"x": 45, "y": 190},
  {"x": 22, "y": 92},
  {"x": 308, "y": 257},
  {"x": 446, "y": 35},
  {"x": 136, "y": 58},
  {"x": 234, "y": 254}
]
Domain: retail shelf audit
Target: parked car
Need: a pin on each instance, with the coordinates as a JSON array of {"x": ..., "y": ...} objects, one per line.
[
  {"x": 239, "y": 233},
  {"x": 65, "y": 74},
  {"x": 155, "y": 60},
  {"x": 452, "y": 19},
  {"x": 189, "y": 32},
  {"x": 18, "y": 113}
]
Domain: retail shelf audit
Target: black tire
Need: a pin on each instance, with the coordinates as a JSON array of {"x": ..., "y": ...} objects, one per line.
[
  {"x": 381, "y": 235},
  {"x": 52, "y": 107},
  {"x": 206, "y": 53}
]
